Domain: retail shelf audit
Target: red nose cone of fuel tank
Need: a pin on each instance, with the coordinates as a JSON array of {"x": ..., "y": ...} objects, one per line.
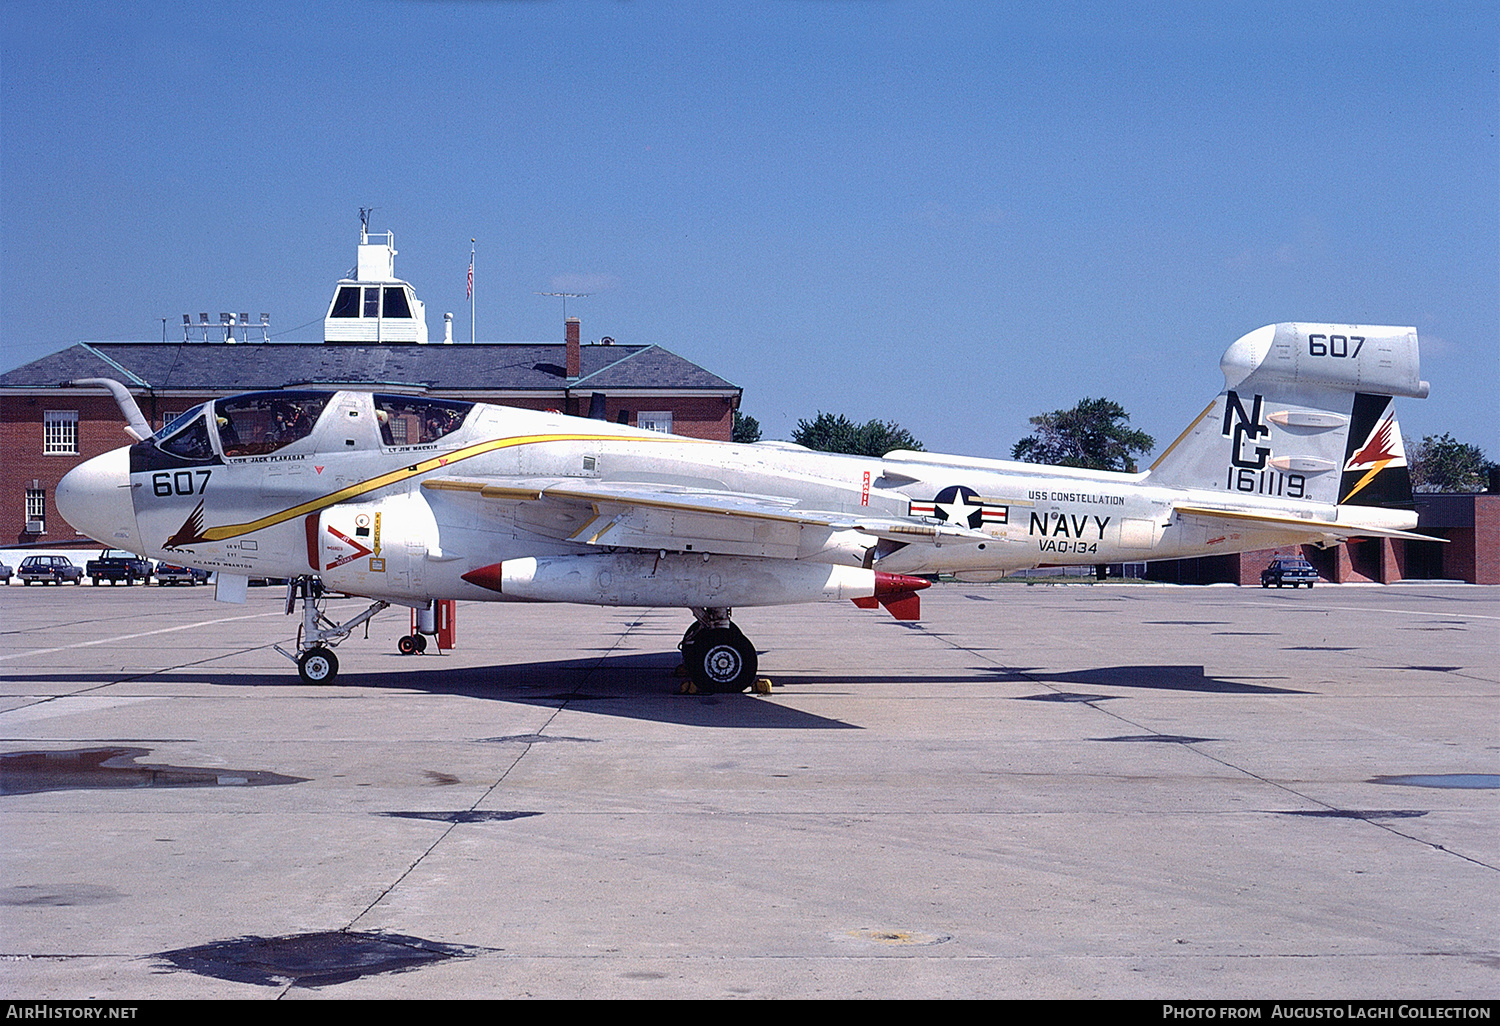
[{"x": 898, "y": 593}]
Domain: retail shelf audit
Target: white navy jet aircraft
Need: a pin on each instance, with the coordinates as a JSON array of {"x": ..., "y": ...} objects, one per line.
[{"x": 410, "y": 500}]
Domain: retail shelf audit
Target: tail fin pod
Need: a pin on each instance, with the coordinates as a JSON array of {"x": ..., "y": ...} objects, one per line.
[{"x": 1306, "y": 415}]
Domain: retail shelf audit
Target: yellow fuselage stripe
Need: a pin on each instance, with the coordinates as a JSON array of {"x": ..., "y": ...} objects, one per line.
[{"x": 227, "y": 531}]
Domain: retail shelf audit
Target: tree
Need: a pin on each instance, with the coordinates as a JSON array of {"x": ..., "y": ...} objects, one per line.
[
  {"x": 830, "y": 432},
  {"x": 1444, "y": 464},
  {"x": 1092, "y": 434},
  {"x": 746, "y": 429}
]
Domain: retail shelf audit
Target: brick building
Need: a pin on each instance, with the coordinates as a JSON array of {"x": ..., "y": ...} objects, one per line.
[{"x": 375, "y": 338}]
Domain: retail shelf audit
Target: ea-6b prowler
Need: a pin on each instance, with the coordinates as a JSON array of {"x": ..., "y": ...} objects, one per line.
[{"x": 410, "y": 500}]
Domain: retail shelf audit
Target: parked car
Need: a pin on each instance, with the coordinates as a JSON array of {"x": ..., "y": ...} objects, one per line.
[
  {"x": 171, "y": 573},
  {"x": 5, "y": 573},
  {"x": 1288, "y": 570},
  {"x": 114, "y": 565},
  {"x": 49, "y": 570}
]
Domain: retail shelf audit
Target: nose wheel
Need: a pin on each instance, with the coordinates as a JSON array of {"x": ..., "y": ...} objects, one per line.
[{"x": 317, "y": 666}]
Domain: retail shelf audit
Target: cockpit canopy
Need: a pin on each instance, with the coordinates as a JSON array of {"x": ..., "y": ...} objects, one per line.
[
  {"x": 263, "y": 422},
  {"x": 257, "y": 424},
  {"x": 412, "y": 420}
]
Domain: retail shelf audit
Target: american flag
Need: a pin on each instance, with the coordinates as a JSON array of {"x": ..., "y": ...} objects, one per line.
[{"x": 470, "y": 294}]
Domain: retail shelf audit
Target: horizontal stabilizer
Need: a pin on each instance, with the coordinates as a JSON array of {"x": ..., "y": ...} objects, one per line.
[{"x": 1315, "y": 530}]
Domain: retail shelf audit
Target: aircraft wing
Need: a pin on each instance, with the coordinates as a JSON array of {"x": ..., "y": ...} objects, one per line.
[
  {"x": 647, "y": 516},
  {"x": 1317, "y": 530}
]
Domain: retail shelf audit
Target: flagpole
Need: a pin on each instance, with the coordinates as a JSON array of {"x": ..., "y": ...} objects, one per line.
[{"x": 471, "y": 291}]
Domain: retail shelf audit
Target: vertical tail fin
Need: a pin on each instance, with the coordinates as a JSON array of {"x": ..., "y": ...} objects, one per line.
[{"x": 1306, "y": 416}]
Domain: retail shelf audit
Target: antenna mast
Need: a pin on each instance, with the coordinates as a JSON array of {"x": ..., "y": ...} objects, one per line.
[{"x": 565, "y": 296}]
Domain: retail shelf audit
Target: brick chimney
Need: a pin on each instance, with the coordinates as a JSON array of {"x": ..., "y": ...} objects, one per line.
[{"x": 575, "y": 356}]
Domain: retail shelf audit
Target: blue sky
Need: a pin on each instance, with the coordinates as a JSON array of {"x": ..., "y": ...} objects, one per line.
[{"x": 956, "y": 215}]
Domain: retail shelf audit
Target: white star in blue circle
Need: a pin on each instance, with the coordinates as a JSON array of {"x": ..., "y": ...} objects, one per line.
[{"x": 958, "y": 505}]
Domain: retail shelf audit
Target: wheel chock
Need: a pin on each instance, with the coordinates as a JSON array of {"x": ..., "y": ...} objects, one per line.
[{"x": 762, "y": 686}]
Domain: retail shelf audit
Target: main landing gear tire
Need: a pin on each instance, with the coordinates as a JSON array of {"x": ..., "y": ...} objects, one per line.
[
  {"x": 720, "y": 659},
  {"x": 318, "y": 666}
]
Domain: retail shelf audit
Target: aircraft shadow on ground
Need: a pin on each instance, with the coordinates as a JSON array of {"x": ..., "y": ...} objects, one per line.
[
  {"x": 1158, "y": 678},
  {"x": 642, "y": 685},
  {"x": 637, "y": 686}
]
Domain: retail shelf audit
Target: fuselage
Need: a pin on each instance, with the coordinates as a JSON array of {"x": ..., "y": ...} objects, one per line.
[{"x": 387, "y": 496}]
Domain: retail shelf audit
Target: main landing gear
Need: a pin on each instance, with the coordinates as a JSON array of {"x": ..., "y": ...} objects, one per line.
[
  {"x": 718, "y": 657},
  {"x": 318, "y": 635}
]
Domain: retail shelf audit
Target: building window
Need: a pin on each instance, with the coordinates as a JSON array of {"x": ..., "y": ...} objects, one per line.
[
  {"x": 346, "y": 302},
  {"x": 36, "y": 510},
  {"x": 60, "y": 433},
  {"x": 655, "y": 420},
  {"x": 395, "y": 302}
]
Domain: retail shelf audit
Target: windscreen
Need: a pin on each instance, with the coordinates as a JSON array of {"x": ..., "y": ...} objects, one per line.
[{"x": 190, "y": 442}]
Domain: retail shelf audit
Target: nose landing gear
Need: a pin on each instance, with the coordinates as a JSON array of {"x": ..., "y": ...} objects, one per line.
[{"x": 319, "y": 635}]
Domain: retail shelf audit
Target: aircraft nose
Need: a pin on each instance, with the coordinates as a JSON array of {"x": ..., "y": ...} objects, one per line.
[{"x": 96, "y": 498}]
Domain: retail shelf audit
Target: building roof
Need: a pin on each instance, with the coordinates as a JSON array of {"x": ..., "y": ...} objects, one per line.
[{"x": 460, "y": 367}]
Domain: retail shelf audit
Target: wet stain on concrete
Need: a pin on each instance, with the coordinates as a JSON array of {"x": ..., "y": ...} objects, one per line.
[
  {"x": 1462, "y": 781},
  {"x": 1355, "y": 813},
  {"x": 312, "y": 959},
  {"x": 1190, "y": 623},
  {"x": 1171, "y": 739},
  {"x": 85, "y": 769},
  {"x": 898, "y": 938},
  {"x": 462, "y": 816},
  {"x": 57, "y": 895},
  {"x": 535, "y": 739},
  {"x": 1064, "y": 696}
]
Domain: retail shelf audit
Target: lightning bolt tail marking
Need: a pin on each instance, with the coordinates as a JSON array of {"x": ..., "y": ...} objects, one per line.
[{"x": 1369, "y": 476}]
